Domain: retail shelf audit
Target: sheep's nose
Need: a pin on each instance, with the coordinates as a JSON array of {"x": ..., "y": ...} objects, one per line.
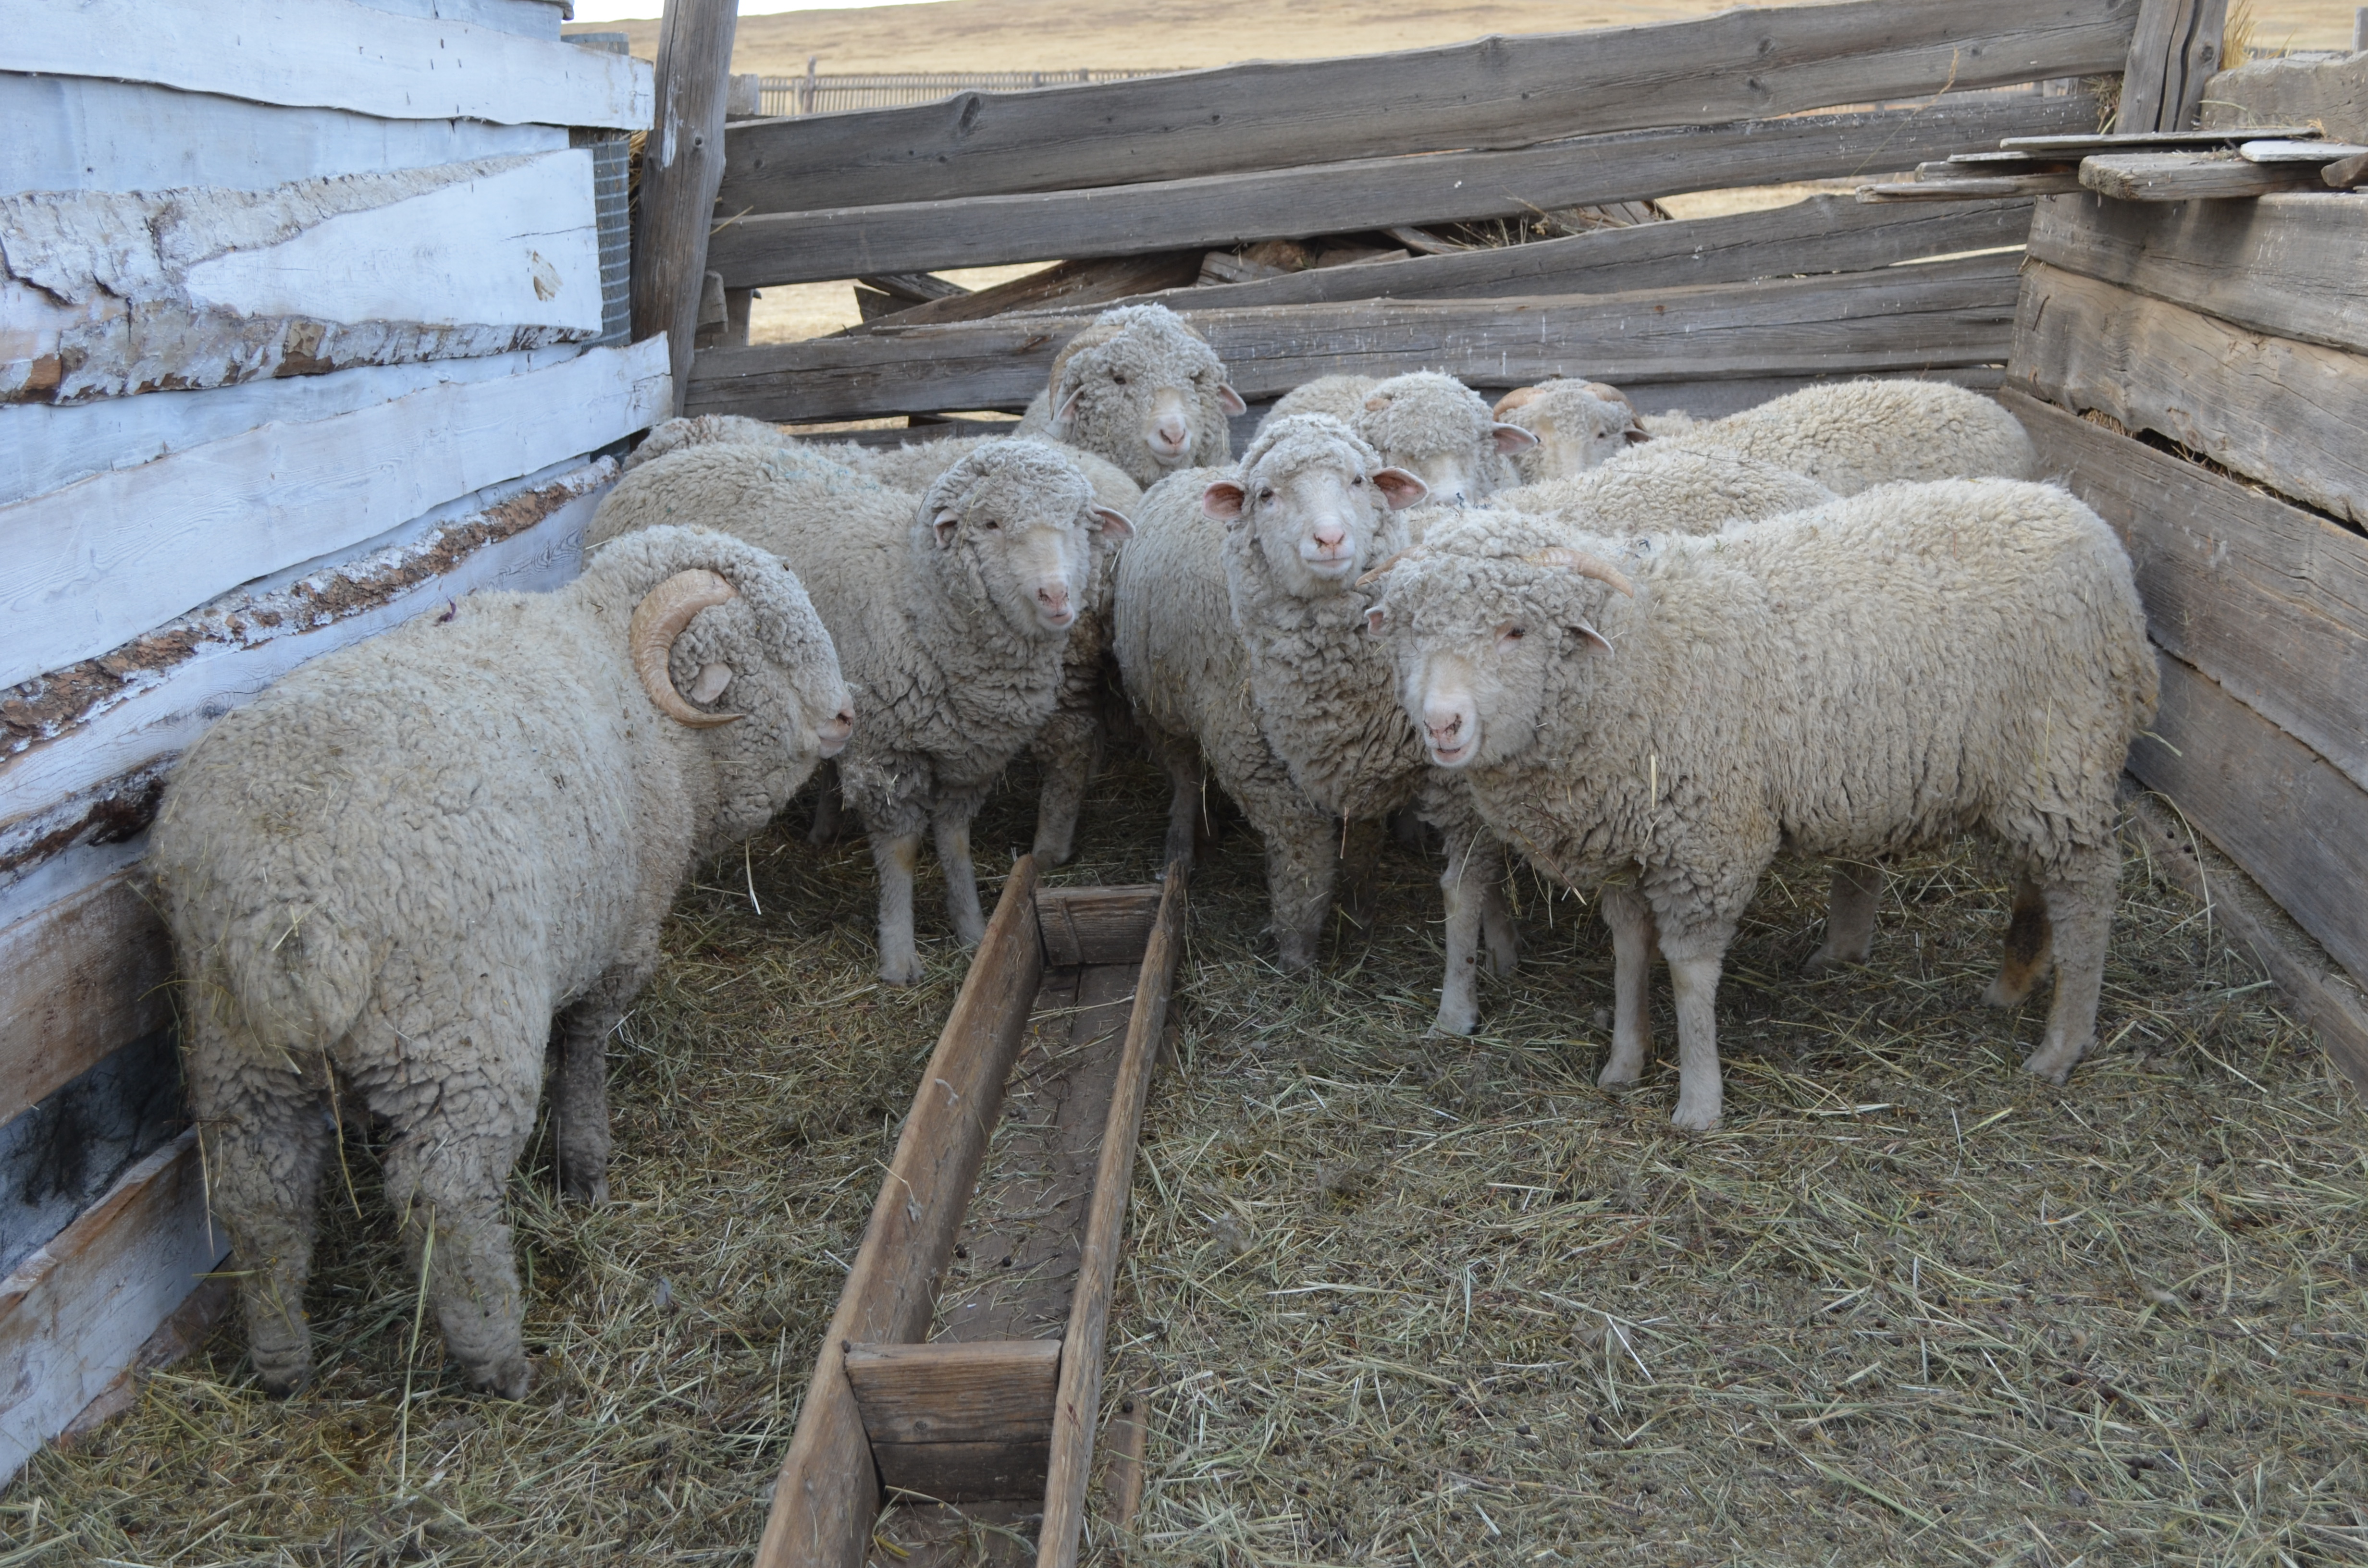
[
  {"x": 1053, "y": 598},
  {"x": 1170, "y": 434},
  {"x": 1330, "y": 537},
  {"x": 1445, "y": 722},
  {"x": 835, "y": 731}
]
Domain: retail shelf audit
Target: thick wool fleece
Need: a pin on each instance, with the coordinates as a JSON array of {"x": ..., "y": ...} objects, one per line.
[
  {"x": 1879, "y": 674},
  {"x": 386, "y": 875},
  {"x": 1852, "y": 435},
  {"x": 1115, "y": 370},
  {"x": 702, "y": 431},
  {"x": 953, "y": 673},
  {"x": 1660, "y": 489},
  {"x": 1342, "y": 397},
  {"x": 1576, "y": 429}
]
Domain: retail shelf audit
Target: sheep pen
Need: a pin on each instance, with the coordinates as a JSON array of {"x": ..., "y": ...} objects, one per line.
[{"x": 1395, "y": 1300}]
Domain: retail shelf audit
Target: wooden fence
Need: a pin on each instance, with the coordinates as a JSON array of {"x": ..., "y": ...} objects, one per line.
[{"x": 837, "y": 92}]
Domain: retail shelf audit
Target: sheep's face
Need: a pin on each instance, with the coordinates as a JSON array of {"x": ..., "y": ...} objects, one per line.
[
  {"x": 1575, "y": 431},
  {"x": 1019, "y": 522},
  {"x": 1442, "y": 431},
  {"x": 785, "y": 680},
  {"x": 1146, "y": 394},
  {"x": 1314, "y": 499}
]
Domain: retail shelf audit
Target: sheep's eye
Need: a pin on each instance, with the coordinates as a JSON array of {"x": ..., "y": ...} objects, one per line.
[
  {"x": 1266, "y": 494},
  {"x": 1358, "y": 483},
  {"x": 1118, "y": 377},
  {"x": 1510, "y": 635},
  {"x": 990, "y": 524}
]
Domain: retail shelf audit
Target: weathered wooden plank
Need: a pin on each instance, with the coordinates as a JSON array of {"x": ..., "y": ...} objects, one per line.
[
  {"x": 1063, "y": 285},
  {"x": 827, "y": 1492},
  {"x": 1078, "y": 1409},
  {"x": 103, "y": 720},
  {"x": 2331, "y": 95},
  {"x": 330, "y": 54},
  {"x": 1959, "y": 189},
  {"x": 2299, "y": 150},
  {"x": 2173, "y": 51},
  {"x": 1338, "y": 198},
  {"x": 80, "y": 133},
  {"x": 2345, "y": 174},
  {"x": 104, "y": 294},
  {"x": 1898, "y": 318},
  {"x": 1096, "y": 925},
  {"x": 1492, "y": 93},
  {"x": 2284, "y": 264},
  {"x": 2275, "y": 807},
  {"x": 76, "y": 982},
  {"x": 2266, "y": 598},
  {"x": 76, "y": 1312},
  {"x": 2084, "y": 142},
  {"x": 2288, "y": 414},
  {"x": 1824, "y": 233},
  {"x": 681, "y": 164},
  {"x": 992, "y": 1390},
  {"x": 2190, "y": 176},
  {"x": 528, "y": 18},
  {"x": 97, "y": 563},
  {"x": 962, "y": 1472}
]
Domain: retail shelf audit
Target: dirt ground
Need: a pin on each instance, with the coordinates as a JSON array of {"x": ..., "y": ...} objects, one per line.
[{"x": 1042, "y": 35}]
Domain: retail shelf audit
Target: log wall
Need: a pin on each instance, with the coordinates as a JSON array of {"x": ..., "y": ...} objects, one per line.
[{"x": 302, "y": 334}]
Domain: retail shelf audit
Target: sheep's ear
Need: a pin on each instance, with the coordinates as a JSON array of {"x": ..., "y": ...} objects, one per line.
[
  {"x": 1636, "y": 434},
  {"x": 1230, "y": 401},
  {"x": 1399, "y": 488},
  {"x": 1593, "y": 639},
  {"x": 945, "y": 523},
  {"x": 1374, "y": 617},
  {"x": 713, "y": 679},
  {"x": 1114, "y": 525},
  {"x": 1223, "y": 501},
  {"x": 1511, "y": 439},
  {"x": 1066, "y": 408}
]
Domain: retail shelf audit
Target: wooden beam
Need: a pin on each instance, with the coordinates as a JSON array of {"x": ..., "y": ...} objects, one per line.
[
  {"x": 1488, "y": 94},
  {"x": 77, "y": 981},
  {"x": 1969, "y": 187},
  {"x": 2084, "y": 143},
  {"x": 2287, "y": 414},
  {"x": 682, "y": 162},
  {"x": 1063, "y": 285},
  {"x": 1945, "y": 313},
  {"x": 1096, "y": 925},
  {"x": 2191, "y": 176},
  {"x": 2278, "y": 809},
  {"x": 1822, "y": 234},
  {"x": 2284, "y": 264},
  {"x": 962, "y": 1472},
  {"x": 1339, "y": 197},
  {"x": 827, "y": 1492},
  {"x": 2266, "y": 598},
  {"x": 93, "y": 565},
  {"x": 332, "y": 54},
  {"x": 77, "y": 1311},
  {"x": 992, "y": 1391},
  {"x": 2174, "y": 50},
  {"x": 1078, "y": 1410}
]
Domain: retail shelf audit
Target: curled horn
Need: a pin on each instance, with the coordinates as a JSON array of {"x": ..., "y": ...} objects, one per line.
[
  {"x": 1515, "y": 398},
  {"x": 1585, "y": 565},
  {"x": 657, "y": 620},
  {"x": 1411, "y": 552}
]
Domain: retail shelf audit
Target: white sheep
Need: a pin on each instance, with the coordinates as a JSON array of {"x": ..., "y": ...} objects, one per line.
[
  {"x": 1852, "y": 435},
  {"x": 702, "y": 430},
  {"x": 1430, "y": 424},
  {"x": 950, "y": 612},
  {"x": 1578, "y": 425},
  {"x": 1665, "y": 488},
  {"x": 386, "y": 875},
  {"x": 1878, "y": 673}
]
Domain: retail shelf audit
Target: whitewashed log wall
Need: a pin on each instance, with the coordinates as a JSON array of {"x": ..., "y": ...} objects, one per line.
[{"x": 301, "y": 336}]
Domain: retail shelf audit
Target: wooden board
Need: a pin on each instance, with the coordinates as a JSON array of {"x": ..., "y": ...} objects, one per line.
[
  {"x": 991, "y": 1391},
  {"x": 2275, "y": 807},
  {"x": 82, "y": 133},
  {"x": 1063, "y": 285},
  {"x": 76, "y": 982},
  {"x": 1491, "y": 93},
  {"x": 74, "y": 1314},
  {"x": 2331, "y": 95},
  {"x": 330, "y": 54},
  {"x": 1338, "y": 198},
  {"x": 2173, "y": 51},
  {"x": 680, "y": 165},
  {"x": 826, "y": 1493},
  {"x": 1899, "y": 318},
  {"x": 1096, "y": 925},
  {"x": 98, "y": 563},
  {"x": 2284, "y": 264},
  {"x": 2267, "y": 600},
  {"x": 1962, "y": 188},
  {"x": 2190, "y": 176},
  {"x": 98, "y": 297},
  {"x": 1822, "y": 234},
  {"x": 2287, "y": 414}
]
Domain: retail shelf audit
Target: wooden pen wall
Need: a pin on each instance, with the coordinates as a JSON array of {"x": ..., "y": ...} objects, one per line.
[{"x": 304, "y": 330}]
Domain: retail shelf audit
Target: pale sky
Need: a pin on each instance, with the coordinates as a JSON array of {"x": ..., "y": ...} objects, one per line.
[{"x": 625, "y": 10}]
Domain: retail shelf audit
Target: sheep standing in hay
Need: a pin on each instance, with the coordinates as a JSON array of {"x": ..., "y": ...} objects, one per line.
[{"x": 386, "y": 876}]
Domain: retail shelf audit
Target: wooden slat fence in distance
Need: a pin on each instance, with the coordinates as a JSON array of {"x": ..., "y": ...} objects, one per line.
[
  {"x": 1077, "y": 1409},
  {"x": 759, "y": 250},
  {"x": 1492, "y": 93},
  {"x": 827, "y": 1484}
]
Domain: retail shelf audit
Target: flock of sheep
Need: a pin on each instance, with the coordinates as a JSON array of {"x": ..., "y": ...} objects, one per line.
[{"x": 1643, "y": 654}]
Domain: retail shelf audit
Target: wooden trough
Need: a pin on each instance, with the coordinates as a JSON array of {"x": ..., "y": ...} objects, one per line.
[{"x": 907, "y": 1405}]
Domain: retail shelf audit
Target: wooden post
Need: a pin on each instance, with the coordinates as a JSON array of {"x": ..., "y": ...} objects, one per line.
[
  {"x": 2174, "y": 51},
  {"x": 682, "y": 164}
]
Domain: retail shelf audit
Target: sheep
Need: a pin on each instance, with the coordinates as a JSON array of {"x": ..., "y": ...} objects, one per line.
[
  {"x": 705, "y": 430},
  {"x": 1430, "y": 424},
  {"x": 384, "y": 877},
  {"x": 1853, "y": 681},
  {"x": 1343, "y": 397},
  {"x": 1663, "y": 488},
  {"x": 1140, "y": 388},
  {"x": 1852, "y": 435},
  {"x": 950, "y": 610},
  {"x": 1578, "y": 425}
]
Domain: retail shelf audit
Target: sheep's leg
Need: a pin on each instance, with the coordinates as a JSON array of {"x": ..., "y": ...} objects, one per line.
[
  {"x": 1181, "y": 759},
  {"x": 895, "y": 857},
  {"x": 1633, "y": 934},
  {"x": 445, "y": 1172},
  {"x": 2029, "y": 943},
  {"x": 1497, "y": 930},
  {"x": 2081, "y": 913},
  {"x": 1408, "y": 827},
  {"x": 1853, "y": 892},
  {"x": 266, "y": 1134},
  {"x": 1471, "y": 864},
  {"x": 951, "y": 827},
  {"x": 1302, "y": 863},
  {"x": 579, "y": 1101},
  {"x": 1694, "y": 963},
  {"x": 1069, "y": 748},
  {"x": 1360, "y": 869},
  {"x": 826, "y": 815}
]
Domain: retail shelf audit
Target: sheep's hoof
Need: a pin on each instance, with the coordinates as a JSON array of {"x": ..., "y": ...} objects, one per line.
[
  {"x": 2047, "y": 1065},
  {"x": 1999, "y": 994},
  {"x": 593, "y": 1192},
  {"x": 1616, "y": 1077},
  {"x": 512, "y": 1377},
  {"x": 1828, "y": 959},
  {"x": 1694, "y": 1118},
  {"x": 1296, "y": 952},
  {"x": 284, "y": 1382},
  {"x": 1454, "y": 1023},
  {"x": 908, "y": 973},
  {"x": 1050, "y": 853}
]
